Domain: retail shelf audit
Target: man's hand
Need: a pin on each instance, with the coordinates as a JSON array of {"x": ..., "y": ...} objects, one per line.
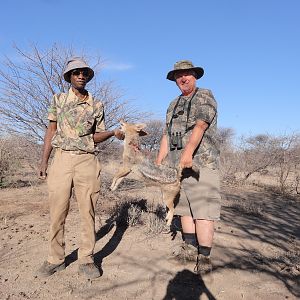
[
  {"x": 163, "y": 150},
  {"x": 47, "y": 148},
  {"x": 157, "y": 162},
  {"x": 186, "y": 160},
  {"x": 43, "y": 172},
  {"x": 119, "y": 134}
]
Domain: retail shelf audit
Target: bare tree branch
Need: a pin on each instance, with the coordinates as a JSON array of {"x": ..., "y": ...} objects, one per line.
[{"x": 28, "y": 84}]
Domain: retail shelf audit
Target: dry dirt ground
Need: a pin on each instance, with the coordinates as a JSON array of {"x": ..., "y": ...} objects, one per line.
[{"x": 255, "y": 254}]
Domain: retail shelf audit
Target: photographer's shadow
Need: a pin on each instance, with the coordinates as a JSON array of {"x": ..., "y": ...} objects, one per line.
[
  {"x": 187, "y": 285},
  {"x": 107, "y": 249},
  {"x": 113, "y": 242},
  {"x": 117, "y": 221}
]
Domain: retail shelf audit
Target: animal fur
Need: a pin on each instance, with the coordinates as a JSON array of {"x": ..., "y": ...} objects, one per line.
[{"x": 168, "y": 179}]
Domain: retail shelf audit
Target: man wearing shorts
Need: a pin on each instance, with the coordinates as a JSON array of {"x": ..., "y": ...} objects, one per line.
[{"x": 190, "y": 143}]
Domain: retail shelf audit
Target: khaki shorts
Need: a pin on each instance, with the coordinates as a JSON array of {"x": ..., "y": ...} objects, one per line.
[{"x": 200, "y": 195}]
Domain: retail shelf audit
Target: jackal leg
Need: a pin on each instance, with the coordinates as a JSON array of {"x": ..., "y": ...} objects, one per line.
[
  {"x": 169, "y": 193},
  {"x": 122, "y": 173}
]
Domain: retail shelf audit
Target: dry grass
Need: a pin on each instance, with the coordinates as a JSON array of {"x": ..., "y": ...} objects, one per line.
[
  {"x": 138, "y": 212},
  {"x": 154, "y": 219},
  {"x": 267, "y": 179}
]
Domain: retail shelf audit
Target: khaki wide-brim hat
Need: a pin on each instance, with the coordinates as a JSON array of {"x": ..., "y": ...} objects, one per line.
[
  {"x": 76, "y": 63},
  {"x": 185, "y": 65}
]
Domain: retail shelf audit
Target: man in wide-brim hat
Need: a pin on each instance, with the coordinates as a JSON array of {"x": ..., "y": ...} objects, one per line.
[
  {"x": 190, "y": 144},
  {"x": 76, "y": 124},
  {"x": 77, "y": 63},
  {"x": 185, "y": 65}
]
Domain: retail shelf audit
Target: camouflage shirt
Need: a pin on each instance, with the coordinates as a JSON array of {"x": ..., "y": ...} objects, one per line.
[
  {"x": 182, "y": 114},
  {"x": 77, "y": 121}
]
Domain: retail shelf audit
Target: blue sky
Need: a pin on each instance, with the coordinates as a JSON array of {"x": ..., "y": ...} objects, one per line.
[{"x": 250, "y": 50}]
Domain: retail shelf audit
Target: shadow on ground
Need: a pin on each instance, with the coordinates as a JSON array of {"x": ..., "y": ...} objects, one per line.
[
  {"x": 263, "y": 218},
  {"x": 187, "y": 286},
  {"x": 117, "y": 221},
  {"x": 272, "y": 220}
]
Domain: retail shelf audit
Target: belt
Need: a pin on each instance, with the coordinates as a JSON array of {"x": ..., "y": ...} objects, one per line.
[{"x": 75, "y": 152}]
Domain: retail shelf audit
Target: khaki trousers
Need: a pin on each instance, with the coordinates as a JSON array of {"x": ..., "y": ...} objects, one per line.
[{"x": 81, "y": 171}]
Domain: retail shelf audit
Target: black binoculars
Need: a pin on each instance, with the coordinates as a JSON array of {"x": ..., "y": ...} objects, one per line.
[{"x": 176, "y": 141}]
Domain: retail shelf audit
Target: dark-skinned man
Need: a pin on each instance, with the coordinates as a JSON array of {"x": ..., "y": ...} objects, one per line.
[{"x": 76, "y": 125}]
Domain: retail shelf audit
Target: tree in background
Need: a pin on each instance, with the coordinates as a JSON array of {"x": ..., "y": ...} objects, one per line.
[
  {"x": 288, "y": 165},
  {"x": 257, "y": 154},
  {"x": 28, "y": 82},
  {"x": 17, "y": 155},
  {"x": 278, "y": 156},
  {"x": 151, "y": 141},
  {"x": 228, "y": 155}
]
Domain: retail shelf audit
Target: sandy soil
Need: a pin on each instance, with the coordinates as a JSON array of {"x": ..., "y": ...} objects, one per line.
[{"x": 255, "y": 255}]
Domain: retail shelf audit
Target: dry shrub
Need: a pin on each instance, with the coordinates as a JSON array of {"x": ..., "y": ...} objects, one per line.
[
  {"x": 18, "y": 158},
  {"x": 134, "y": 212},
  {"x": 260, "y": 158},
  {"x": 134, "y": 215},
  {"x": 154, "y": 219},
  {"x": 128, "y": 213}
]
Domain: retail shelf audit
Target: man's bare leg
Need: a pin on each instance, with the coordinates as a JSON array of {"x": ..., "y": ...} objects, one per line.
[
  {"x": 188, "y": 250},
  {"x": 205, "y": 232},
  {"x": 188, "y": 224}
]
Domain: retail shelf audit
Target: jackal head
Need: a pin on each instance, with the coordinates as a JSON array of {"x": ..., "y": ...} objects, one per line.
[{"x": 130, "y": 129}]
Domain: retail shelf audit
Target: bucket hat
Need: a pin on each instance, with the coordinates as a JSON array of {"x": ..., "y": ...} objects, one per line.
[
  {"x": 185, "y": 65},
  {"x": 76, "y": 63}
]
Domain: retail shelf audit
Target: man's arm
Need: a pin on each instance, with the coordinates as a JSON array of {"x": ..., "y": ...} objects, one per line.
[
  {"x": 104, "y": 135},
  {"x": 186, "y": 160},
  {"x": 47, "y": 148},
  {"x": 163, "y": 150}
]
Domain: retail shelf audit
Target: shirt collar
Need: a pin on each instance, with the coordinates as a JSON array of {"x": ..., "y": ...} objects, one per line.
[{"x": 72, "y": 96}]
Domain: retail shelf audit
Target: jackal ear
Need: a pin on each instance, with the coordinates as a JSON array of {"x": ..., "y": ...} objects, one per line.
[
  {"x": 122, "y": 122},
  {"x": 140, "y": 129},
  {"x": 142, "y": 133}
]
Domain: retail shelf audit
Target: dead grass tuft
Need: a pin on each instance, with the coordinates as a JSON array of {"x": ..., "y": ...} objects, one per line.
[
  {"x": 128, "y": 213},
  {"x": 137, "y": 212},
  {"x": 154, "y": 219}
]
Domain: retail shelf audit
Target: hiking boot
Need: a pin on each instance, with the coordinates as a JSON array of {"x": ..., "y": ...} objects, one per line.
[
  {"x": 90, "y": 270},
  {"x": 204, "y": 265},
  {"x": 48, "y": 269},
  {"x": 185, "y": 252}
]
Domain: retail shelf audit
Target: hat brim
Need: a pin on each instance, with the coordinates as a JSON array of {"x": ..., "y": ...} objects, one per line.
[
  {"x": 198, "y": 70},
  {"x": 67, "y": 76}
]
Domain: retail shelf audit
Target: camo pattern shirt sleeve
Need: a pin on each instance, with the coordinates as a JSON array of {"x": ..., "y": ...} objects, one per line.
[
  {"x": 204, "y": 107},
  {"x": 100, "y": 117}
]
